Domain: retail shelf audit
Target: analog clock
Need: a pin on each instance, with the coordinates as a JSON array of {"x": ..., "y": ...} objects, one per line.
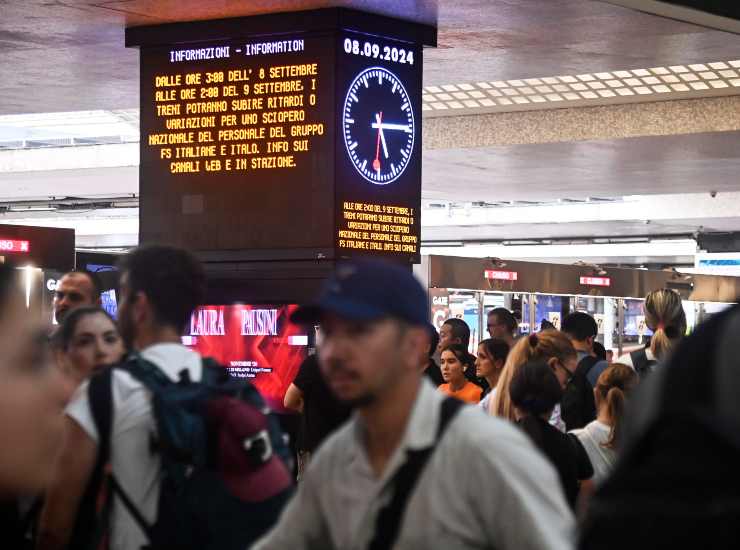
[{"x": 378, "y": 125}]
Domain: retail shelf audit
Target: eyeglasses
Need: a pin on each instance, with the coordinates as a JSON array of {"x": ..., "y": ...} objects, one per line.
[{"x": 570, "y": 374}]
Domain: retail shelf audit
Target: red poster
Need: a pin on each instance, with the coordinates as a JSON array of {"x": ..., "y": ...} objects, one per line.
[{"x": 257, "y": 342}]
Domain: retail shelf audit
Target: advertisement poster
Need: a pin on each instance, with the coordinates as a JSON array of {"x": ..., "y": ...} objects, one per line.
[{"x": 256, "y": 342}]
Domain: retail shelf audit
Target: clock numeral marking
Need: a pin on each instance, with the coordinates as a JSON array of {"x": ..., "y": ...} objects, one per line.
[
  {"x": 404, "y": 106},
  {"x": 353, "y": 146},
  {"x": 404, "y": 153},
  {"x": 395, "y": 85},
  {"x": 349, "y": 120},
  {"x": 380, "y": 78},
  {"x": 364, "y": 80},
  {"x": 353, "y": 96},
  {"x": 364, "y": 164}
]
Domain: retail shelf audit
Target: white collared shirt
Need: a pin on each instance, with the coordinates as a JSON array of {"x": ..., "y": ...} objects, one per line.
[
  {"x": 485, "y": 486},
  {"x": 135, "y": 465}
]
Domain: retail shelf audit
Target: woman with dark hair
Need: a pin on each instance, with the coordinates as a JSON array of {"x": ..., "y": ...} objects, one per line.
[
  {"x": 534, "y": 392},
  {"x": 489, "y": 363},
  {"x": 454, "y": 360},
  {"x": 89, "y": 341}
]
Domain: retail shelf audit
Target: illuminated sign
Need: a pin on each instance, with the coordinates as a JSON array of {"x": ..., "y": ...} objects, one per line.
[
  {"x": 379, "y": 157},
  {"x": 501, "y": 275},
  {"x": 596, "y": 281},
  {"x": 306, "y": 144},
  {"x": 11, "y": 245}
]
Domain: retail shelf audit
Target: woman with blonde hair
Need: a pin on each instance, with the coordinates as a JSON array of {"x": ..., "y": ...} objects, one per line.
[
  {"x": 664, "y": 315},
  {"x": 550, "y": 346}
]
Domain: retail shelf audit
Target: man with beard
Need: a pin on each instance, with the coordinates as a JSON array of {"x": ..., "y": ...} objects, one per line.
[
  {"x": 160, "y": 286},
  {"x": 409, "y": 470}
]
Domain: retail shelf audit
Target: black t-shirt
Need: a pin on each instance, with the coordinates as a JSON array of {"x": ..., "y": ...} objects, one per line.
[
  {"x": 434, "y": 374},
  {"x": 322, "y": 412},
  {"x": 564, "y": 451}
]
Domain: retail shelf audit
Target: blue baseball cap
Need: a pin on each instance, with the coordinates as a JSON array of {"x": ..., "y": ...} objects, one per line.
[{"x": 366, "y": 290}]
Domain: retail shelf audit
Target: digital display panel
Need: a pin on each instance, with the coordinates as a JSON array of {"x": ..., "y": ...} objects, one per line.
[
  {"x": 256, "y": 342},
  {"x": 49, "y": 248},
  {"x": 11, "y": 245},
  {"x": 379, "y": 147},
  {"x": 237, "y": 143},
  {"x": 299, "y": 136}
]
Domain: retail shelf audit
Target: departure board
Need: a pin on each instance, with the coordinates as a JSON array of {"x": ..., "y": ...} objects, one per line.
[
  {"x": 301, "y": 144},
  {"x": 237, "y": 144}
]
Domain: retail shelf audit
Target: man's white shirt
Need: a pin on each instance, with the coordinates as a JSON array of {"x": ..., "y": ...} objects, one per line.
[{"x": 485, "y": 486}]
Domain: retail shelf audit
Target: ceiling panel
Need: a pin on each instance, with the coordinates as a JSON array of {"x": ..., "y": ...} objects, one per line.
[
  {"x": 72, "y": 54},
  {"x": 634, "y": 166}
]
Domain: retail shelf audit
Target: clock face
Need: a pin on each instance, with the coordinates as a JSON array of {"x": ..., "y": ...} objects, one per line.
[{"x": 378, "y": 125}]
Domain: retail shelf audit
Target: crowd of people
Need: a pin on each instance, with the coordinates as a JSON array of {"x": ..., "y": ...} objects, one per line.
[{"x": 410, "y": 441}]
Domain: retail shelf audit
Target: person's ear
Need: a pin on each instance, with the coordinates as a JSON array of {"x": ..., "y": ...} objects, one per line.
[
  {"x": 498, "y": 364},
  {"x": 414, "y": 345},
  {"x": 141, "y": 307},
  {"x": 552, "y": 362}
]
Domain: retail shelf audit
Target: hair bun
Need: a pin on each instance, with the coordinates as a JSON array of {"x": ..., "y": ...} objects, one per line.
[{"x": 533, "y": 340}]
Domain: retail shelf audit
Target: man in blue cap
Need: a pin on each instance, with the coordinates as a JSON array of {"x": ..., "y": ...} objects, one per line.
[{"x": 411, "y": 469}]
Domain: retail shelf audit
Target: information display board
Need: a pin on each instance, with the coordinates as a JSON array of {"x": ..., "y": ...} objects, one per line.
[
  {"x": 379, "y": 153},
  {"x": 44, "y": 247},
  {"x": 237, "y": 144},
  {"x": 298, "y": 135}
]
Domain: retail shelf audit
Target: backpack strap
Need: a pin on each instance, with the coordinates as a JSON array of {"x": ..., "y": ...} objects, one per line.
[
  {"x": 388, "y": 522},
  {"x": 100, "y": 396},
  {"x": 586, "y": 364},
  {"x": 101, "y": 404}
]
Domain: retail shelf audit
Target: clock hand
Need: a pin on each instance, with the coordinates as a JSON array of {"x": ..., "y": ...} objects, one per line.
[
  {"x": 386, "y": 126},
  {"x": 382, "y": 136},
  {"x": 376, "y": 162}
]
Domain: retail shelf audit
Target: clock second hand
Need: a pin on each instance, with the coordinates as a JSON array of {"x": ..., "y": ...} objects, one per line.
[
  {"x": 382, "y": 135},
  {"x": 376, "y": 162}
]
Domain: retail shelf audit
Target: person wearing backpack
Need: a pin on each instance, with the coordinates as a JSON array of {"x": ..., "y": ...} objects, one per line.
[
  {"x": 578, "y": 406},
  {"x": 189, "y": 449},
  {"x": 412, "y": 468},
  {"x": 664, "y": 315}
]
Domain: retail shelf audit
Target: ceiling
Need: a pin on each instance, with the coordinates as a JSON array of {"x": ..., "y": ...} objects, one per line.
[
  {"x": 73, "y": 56},
  {"x": 632, "y": 166}
]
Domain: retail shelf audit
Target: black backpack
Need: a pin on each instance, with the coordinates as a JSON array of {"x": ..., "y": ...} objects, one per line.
[
  {"x": 677, "y": 480},
  {"x": 197, "y": 509},
  {"x": 642, "y": 365},
  {"x": 577, "y": 407}
]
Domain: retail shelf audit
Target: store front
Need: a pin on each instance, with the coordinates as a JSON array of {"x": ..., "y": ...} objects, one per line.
[{"x": 469, "y": 288}]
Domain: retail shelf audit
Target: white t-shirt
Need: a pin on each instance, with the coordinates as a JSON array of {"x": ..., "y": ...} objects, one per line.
[
  {"x": 135, "y": 466},
  {"x": 592, "y": 437}
]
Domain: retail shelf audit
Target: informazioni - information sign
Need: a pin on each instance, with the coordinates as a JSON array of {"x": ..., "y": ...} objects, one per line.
[{"x": 305, "y": 142}]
